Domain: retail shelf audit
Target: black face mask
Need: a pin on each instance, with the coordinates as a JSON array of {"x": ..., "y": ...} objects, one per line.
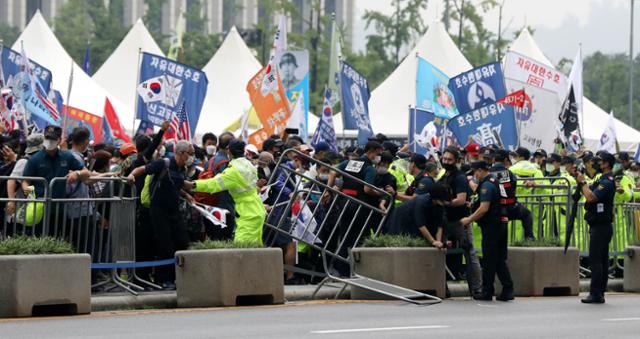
[
  {"x": 449, "y": 167},
  {"x": 597, "y": 168}
]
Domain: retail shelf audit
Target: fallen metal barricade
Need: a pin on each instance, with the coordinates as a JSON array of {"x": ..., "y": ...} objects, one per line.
[{"x": 333, "y": 225}]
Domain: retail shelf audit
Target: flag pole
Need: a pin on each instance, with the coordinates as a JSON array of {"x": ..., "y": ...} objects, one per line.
[
  {"x": 581, "y": 99},
  {"x": 135, "y": 98},
  {"x": 631, "y": 68},
  {"x": 66, "y": 107}
]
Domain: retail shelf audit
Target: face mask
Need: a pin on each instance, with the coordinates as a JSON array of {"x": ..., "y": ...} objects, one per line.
[
  {"x": 323, "y": 177},
  {"x": 377, "y": 159},
  {"x": 211, "y": 150},
  {"x": 338, "y": 182},
  {"x": 50, "y": 145},
  {"x": 597, "y": 167},
  {"x": 382, "y": 170},
  {"x": 616, "y": 167},
  {"x": 159, "y": 153},
  {"x": 190, "y": 160},
  {"x": 634, "y": 175},
  {"x": 549, "y": 167},
  {"x": 449, "y": 167},
  {"x": 563, "y": 169}
]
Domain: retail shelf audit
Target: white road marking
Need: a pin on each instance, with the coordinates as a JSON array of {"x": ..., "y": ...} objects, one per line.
[
  {"x": 485, "y": 305},
  {"x": 378, "y": 329},
  {"x": 621, "y": 319}
]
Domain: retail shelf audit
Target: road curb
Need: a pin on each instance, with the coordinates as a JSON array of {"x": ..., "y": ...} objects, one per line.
[{"x": 168, "y": 300}]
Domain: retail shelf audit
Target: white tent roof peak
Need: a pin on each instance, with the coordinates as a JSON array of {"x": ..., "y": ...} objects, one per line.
[
  {"x": 118, "y": 74},
  {"x": 229, "y": 70},
  {"x": 42, "y": 46},
  {"x": 526, "y": 45},
  {"x": 390, "y": 101}
]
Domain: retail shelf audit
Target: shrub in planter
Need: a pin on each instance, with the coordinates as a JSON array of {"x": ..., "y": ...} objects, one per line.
[
  {"x": 540, "y": 267},
  {"x": 400, "y": 260},
  {"x": 42, "y": 275},
  {"x": 631, "y": 281},
  {"x": 219, "y": 273}
]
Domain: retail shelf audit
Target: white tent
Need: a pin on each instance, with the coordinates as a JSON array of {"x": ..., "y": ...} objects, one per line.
[
  {"x": 42, "y": 46},
  {"x": 118, "y": 74},
  {"x": 390, "y": 101},
  {"x": 594, "y": 117},
  {"x": 228, "y": 71}
]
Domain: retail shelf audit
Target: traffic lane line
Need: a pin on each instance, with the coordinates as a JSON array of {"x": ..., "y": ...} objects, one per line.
[
  {"x": 380, "y": 329},
  {"x": 621, "y": 319}
]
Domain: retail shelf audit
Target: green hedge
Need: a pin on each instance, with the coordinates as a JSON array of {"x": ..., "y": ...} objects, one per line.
[
  {"x": 219, "y": 244},
  {"x": 552, "y": 242},
  {"x": 23, "y": 245},
  {"x": 387, "y": 240}
]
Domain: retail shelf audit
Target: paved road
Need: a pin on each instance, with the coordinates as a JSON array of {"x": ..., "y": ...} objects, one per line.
[{"x": 557, "y": 317}]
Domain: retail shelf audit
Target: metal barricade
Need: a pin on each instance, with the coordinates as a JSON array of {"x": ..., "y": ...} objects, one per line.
[
  {"x": 550, "y": 203},
  {"x": 332, "y": 225}
]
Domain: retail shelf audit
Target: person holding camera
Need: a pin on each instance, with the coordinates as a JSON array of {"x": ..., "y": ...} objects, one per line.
[{"x": 599, "y": 215}]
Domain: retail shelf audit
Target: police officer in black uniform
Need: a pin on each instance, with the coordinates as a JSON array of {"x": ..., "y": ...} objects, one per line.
[
  {"x": 423, "y": 172},
  {"x": 599, "y": 215},
  {"x": 363, "y": 169},
  {"x": 507, "y": 184},
  {"x": 491, "y": 216}
]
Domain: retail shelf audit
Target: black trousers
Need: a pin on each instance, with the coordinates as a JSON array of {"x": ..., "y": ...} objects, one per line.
[
  {"x": 494, "y": 257},
  {"x": 169, "y": 235},
  {"x": 599, "y": 238},
  {"x": 519, "y": 212},
  {"x": 144, "y": 241}
]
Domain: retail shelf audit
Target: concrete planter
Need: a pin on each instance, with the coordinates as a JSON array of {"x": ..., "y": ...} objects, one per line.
[
  {"x": 229, "y": 277},
  {"x": 539, "y": 271},
  {"x": 631, "y": 282},
  {"x": 420, "y": 269},
  {"x": 45, "y": 284}
]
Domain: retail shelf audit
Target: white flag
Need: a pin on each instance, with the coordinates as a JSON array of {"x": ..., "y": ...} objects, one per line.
[
  {"x": 298, "y": 117},
  {"x": 217, "y": 216},
  {"x": 270, "y": 80},
  {"x": 609, "y": 138}
]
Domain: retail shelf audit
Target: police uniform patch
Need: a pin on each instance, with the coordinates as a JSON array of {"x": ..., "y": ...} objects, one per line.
[
  {"x": 421, "y": 185},
  {"x": 600, "y": 187},
  {"x": 354, "y": 166},
  {"x": 484, "y": 190}
]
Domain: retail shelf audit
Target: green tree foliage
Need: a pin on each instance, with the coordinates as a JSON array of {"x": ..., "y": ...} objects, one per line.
[
  {"x": 477, "y": 43},
  {"x": 82, "y": 22},
  {"x": 8, "y": 35},
  {"x": 198, "y": 47}
]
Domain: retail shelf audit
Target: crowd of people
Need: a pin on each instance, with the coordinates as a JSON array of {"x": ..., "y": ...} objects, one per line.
[{"x": 436, "y": 197}]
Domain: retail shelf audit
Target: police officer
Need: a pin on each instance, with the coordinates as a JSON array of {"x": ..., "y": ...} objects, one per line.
[
  {"x": 599, "y": 215},
  {"x": 491, "y": 217},
  {"x": 507, "y": 185},
  {"x": 424, "y": 177},
  {"x": 364, "y": 170}
]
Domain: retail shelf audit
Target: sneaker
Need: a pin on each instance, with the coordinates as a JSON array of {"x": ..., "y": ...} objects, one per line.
[{"x": 591, "y": 299}]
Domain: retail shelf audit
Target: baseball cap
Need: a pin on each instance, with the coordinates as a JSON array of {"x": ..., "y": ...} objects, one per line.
[
  {"x": 34, "y": 143},
  {"x": 608, "y": 157},
  {"x": 127, "y": 148},
  {"x": 486, "y": 152},
  {"x": 322, "y": 147},
  {"x": 501, "y": 154},
  {"x": 473, "y": 149},
  {"x": 623, "y": 156},
  {"x": 372, "y": 145},
  {"x": 419, "y": 159},
  {"x": 554, "y": 157},
  {"x": 540, "y": 153},
  {"x": 481, "y": 164},
  {"x": 53, "y": 132}
]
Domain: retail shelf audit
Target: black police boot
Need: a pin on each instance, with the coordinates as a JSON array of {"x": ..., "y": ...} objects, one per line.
[
  {"x": 505, "y": 296},
  {"x": 592, "y": 299},
  {"x": 483, "y": 297}
]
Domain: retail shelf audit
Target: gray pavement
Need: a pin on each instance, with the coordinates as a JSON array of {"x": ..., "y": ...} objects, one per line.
[{"x": 551, "y": 317}]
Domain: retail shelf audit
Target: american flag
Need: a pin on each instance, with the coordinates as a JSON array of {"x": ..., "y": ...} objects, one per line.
[
  {"x": 37, "y": 87},
  {"x": 180, "y": 123}
]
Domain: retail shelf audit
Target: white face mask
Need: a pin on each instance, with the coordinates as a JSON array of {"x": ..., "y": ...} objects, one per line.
[
  {"x": 190, "y": 160},
  {"x": 159, "y": 153},
  {"x": 50, "y": 145},
  {"x": 211, "y": 150},
  {"x": 549, "y": 167},
  {"x": 377, "y": 159}
]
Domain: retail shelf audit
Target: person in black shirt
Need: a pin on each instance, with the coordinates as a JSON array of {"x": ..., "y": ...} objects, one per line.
[
  {"x": 599, "y": 215},
  {"x": 457, "y": 209},
  {"x": 384, "y": 180},
  {"x": 165, "y": 189},
  {"x": 422, "y": 216},
  {"x": 423, "y": 173}
]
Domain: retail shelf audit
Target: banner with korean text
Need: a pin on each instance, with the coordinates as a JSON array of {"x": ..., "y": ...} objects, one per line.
[
  {"x": 494, "y": 124},
  {"x": 272, "y": 108}
]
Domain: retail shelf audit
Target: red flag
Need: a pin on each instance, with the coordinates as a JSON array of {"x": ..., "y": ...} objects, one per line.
[
  {"x": 515, "y": 99},
  {"x": 114, "y": 123}
]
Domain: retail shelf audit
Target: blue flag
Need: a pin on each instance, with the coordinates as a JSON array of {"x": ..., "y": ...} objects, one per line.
[
  {"x": 478, "y": 87},
  {"x": 432, "y": 91},
  {"x": 164, "y": 85},
  {"x": 355, "y": 102},
  {"x": 86, "y": 64},
  {"x": 11, "y": 67},
  {"x": 636, "y": 156},
  {"x": 494, "y": 124},
  {"x": 325, "y": 131},
  {"x": 427, "y": 132}
]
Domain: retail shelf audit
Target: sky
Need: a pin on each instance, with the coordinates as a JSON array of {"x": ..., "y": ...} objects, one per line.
[{"x": 560, "y": 25}]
